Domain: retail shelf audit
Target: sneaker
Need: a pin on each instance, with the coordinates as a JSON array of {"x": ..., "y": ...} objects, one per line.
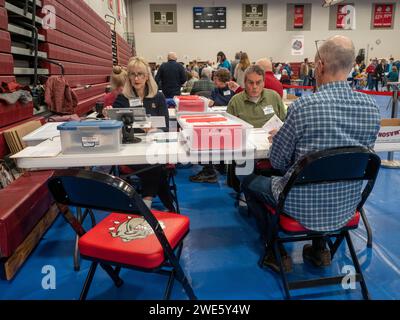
[
  {"x": 242, "y": 201},
  {"x": 270, "y": 262},
  {"x": 319, "y": 258},
  {"x": 204, "y": 177}
]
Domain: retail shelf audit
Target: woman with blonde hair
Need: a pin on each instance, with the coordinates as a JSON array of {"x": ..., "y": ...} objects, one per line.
[
  {"x": 118, "y": 78},
  {"x": 142, "y": 90},
  {"x": 241, "y": 68}
]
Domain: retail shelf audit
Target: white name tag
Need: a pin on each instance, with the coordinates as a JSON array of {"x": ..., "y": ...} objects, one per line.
[
  {"x": 227, "y": 93},
  {"x": 268, "y": 110},
  {"x": 135, "y": 103}
]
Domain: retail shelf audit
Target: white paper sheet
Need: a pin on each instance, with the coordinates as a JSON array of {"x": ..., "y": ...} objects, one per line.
[
  {"x": 48, "y": 148},
  {"x": 273, "y": 124},
  {"x": 157, "y": 122}
]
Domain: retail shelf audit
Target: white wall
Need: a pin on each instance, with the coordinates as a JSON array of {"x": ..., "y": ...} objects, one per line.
[
  {"x": 275, "y": 43},
  {"x": 101, "y": 7}
]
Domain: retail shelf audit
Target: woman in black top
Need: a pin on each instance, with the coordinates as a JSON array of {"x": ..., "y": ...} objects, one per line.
[{"x": 141, "y": 89}]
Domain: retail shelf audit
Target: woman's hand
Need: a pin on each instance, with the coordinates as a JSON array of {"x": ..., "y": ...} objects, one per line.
[
  {"x": 232, "y": 85},
  {"x": 105, "y": 113}
]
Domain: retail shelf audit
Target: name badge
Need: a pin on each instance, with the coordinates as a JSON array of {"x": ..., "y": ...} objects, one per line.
[
  {"x": 135, "y": 103},
  {"x": 227, "y": 93},
  {"x": 268, "y": 110}
]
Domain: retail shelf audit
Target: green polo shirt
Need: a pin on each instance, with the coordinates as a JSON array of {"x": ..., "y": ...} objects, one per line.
[{"x": 257, "y": 114}]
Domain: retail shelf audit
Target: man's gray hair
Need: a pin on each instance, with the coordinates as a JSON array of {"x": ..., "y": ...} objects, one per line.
[
  {"x": 254, "y": 69},
  {"x": 338, "y": 54},
  {"x": 206, "y": 73}
]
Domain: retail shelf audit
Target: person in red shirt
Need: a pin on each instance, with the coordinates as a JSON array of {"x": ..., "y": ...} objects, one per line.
[
  {"x": 118, "y": 79},
  {"x": 270, "y": 81}
]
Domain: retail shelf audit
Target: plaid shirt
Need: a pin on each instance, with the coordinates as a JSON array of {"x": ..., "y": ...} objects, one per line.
[
  {"x": 335, "y": 116},
  {"x": 202, "y": 85}
]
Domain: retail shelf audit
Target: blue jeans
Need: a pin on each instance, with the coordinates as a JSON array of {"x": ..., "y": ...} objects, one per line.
[{"x": 258, "y": 192}]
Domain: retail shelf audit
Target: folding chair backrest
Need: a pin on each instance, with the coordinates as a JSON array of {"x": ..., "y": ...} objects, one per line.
[
  {"x": 335, "y": 165},
  {"x": 338, "y": 164},
  {"x": 95, "y": 190}
]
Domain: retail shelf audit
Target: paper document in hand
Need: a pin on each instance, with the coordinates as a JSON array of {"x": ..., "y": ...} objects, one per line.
[{"x": 273, "y": 124}]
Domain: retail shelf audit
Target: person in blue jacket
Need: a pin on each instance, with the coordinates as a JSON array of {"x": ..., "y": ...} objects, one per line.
[{"x": 223, "y": 62}]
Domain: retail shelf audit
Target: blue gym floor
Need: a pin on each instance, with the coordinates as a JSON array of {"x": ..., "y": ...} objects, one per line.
[{"x": 221, "y": 252}]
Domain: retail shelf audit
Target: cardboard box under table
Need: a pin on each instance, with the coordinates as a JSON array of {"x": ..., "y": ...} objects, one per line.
[{"x": 214, "y": 131}]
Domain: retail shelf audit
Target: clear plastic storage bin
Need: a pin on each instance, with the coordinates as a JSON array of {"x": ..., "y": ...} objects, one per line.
[{"x": 91, "y": 136}]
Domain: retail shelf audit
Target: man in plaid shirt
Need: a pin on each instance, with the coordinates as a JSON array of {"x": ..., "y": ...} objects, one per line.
[{"x": 335, "y": 116}]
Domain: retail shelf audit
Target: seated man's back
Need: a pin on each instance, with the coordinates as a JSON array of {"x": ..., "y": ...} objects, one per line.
[{"x": 334, "y": 117}]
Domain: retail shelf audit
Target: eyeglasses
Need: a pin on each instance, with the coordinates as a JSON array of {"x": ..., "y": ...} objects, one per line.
[
  {"x": 139, "y": 75},
  {"x": 316, "y": 45}
]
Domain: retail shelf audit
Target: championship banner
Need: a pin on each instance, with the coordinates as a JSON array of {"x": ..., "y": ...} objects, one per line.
[
  {"x": 298, "y": 16},
  {"x": 383, "y": 15},
  {"x": 340, "y": 17}
]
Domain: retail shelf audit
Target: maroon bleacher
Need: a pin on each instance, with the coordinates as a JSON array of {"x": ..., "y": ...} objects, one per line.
[
  {"x": 22, "y": 205},
  {"x": 90, "y": 91},
  {"x": 6, "y": 59},
  {"x": 3, "y": 18},
  {"x": 82, "y": 43},
  {"x": 124, "y": 51},
  {"x": 7, "y": 64},
  {"x": 5, "y": 42},
  {"x": 82, "y": 80},
  {"x": 11, "y": 113}
]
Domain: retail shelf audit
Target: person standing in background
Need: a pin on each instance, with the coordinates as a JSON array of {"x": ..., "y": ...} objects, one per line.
[
  {"x": 171, "y": 76},
  {"x": 223, "y": 62},
  {"x": 235, "y": 63},
  {"x": 240, "y": 68}
]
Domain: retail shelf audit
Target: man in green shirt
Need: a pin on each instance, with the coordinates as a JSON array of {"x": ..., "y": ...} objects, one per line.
[{"x": 255, "y": 104}]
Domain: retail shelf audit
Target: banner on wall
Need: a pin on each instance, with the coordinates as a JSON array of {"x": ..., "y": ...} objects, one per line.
[
  {"x": 298, "y": 16},
  {"x": 346, "y": 17},
  {"x": 383, "y": 15},
  {"x": 340, "y": 17},
  {"x": 297, "y": 45}
]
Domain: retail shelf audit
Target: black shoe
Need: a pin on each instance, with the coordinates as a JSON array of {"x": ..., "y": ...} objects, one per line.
[
  {"x": 270, "y": 262},
  {"x": 317, "y": 257},
  {"x": 204, "y": 176}
]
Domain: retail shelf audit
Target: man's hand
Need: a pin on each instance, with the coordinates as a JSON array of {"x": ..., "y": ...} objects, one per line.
[
  {"x": 232, "y": 85},
  {"x": 272, "y": 134}
]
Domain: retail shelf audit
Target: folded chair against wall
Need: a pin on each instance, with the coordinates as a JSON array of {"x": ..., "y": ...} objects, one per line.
[
  {"x": 328, "y": 166},
  {"x": 132, "y": 236}
]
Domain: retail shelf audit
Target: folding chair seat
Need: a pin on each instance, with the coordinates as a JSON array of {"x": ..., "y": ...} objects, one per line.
[
  {"x": 131, "y": 236},
  {"x": 327, "y": 166},
  {"x": 103, "y": 242}
]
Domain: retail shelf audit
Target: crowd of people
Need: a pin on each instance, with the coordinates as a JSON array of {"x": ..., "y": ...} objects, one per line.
[{"x": 253, "y": 93}]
